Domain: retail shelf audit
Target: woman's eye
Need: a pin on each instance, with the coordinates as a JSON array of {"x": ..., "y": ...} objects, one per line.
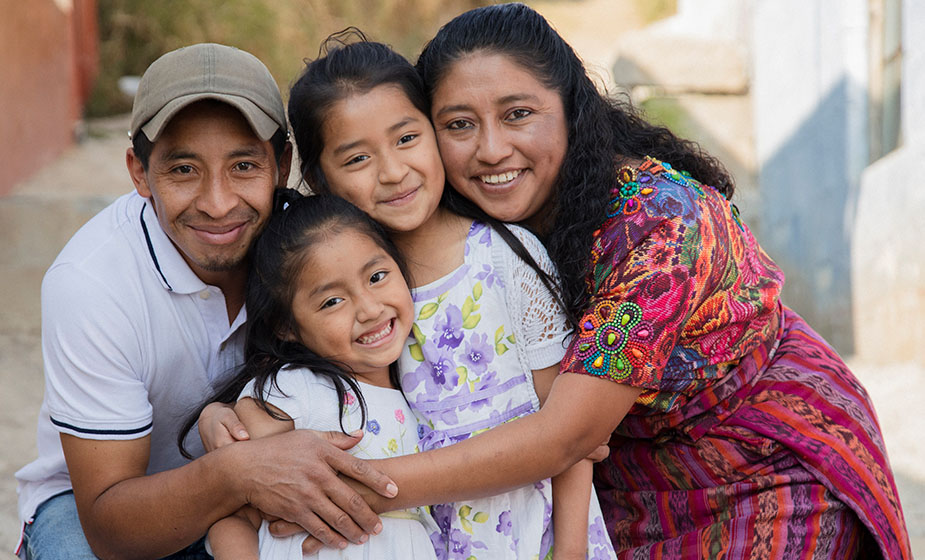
[
  {"x": 357, "y": 159},
  {"x": 331, "y": 302},
  {"x": 458, "y": 125},
  {"x": 407, "y": 138},
  {"x": 378, "y": 276},
  {"x": 518, "y": 114}
]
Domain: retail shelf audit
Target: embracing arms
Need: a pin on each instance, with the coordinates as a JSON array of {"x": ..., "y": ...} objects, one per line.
[
  {"x": 578, "y": 415},
  {"x": 126, "y": 513}
]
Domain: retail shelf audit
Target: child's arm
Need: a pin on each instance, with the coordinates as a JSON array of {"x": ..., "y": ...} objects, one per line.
[
  {"x": 235, "y": 537},
  {"x": 571, "y": 497},
  {"x": 571, "y": 492}
]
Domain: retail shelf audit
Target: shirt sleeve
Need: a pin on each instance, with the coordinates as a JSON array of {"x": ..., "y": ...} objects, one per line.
[
  {"x": 309, "y": 400},
  {"x": 94, "y": 382},
  {"x": 540, "y": 322},
  {"x": 645, "y": 287}
]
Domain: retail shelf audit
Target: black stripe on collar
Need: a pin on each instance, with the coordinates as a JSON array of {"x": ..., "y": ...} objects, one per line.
[{"x": 157, "y": 265}]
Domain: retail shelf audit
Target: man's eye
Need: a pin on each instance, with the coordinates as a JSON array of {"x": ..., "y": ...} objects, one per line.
[
  {"x": 244, "y": 166},
  {"x": 183, "y": 169}
]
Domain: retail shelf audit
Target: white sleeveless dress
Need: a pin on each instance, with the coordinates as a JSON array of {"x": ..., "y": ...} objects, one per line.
[{"x": 390, "y": 430}]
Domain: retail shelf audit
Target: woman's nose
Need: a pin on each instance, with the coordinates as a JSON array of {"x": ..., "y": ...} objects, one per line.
[{"x": 493, "y": 145}]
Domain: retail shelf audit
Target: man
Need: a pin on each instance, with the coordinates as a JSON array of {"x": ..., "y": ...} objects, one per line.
[{"x": 142, "y": 316}]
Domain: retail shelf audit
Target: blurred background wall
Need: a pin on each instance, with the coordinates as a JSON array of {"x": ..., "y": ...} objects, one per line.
[{"x": 49, "y": 59}]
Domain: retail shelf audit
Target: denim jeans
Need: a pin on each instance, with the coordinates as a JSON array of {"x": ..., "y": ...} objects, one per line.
[{"x": 56, "y": 534}]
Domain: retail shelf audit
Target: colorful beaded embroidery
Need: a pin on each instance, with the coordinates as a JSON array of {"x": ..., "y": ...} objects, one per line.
[
  {"x": 631, "y": 186},
  {"x": 613, "y": 340},
  {"x": 682, "y": 178}
]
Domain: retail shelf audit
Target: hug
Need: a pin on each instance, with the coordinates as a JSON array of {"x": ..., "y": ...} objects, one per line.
[{"x": 503, "y": 286}]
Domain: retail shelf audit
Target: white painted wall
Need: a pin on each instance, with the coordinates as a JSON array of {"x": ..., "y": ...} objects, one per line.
[
  {"x": 809, "y": 70},
  {"x": 888, "y": 256}
]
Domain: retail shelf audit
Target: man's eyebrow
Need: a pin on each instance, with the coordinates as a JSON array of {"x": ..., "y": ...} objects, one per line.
[
  {"x": 178, "y": 153},
  {"x": 249, "y": 151}
]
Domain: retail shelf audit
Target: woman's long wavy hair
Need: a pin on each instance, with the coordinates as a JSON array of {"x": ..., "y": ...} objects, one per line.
[
  {"x": 603, "y": 132},
  {"x": 277, "y": 260}
]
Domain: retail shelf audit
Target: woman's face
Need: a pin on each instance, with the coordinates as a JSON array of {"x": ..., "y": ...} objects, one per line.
[{"x": 502, "y": 135}]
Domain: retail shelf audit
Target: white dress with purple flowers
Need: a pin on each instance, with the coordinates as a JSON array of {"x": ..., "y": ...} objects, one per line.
[
  {"x": 311, "y": 401},
  {"x": 478, "y": 334}
]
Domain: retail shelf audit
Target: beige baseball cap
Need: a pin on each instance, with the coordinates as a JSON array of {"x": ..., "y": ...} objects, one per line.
[{"x": 207, "y": 71}]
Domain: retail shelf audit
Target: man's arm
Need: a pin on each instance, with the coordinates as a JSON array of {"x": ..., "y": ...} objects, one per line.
[{"x": 127, "y": 514}]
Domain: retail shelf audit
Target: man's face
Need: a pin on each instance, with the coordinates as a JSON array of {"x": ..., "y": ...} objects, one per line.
[{"x": 211, "y": 181}]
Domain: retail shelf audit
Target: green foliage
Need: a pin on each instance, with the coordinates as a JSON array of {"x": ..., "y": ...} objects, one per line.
[{"x": 282, "y": 33}]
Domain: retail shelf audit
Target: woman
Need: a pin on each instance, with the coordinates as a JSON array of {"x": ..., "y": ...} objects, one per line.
[
  {"x": 746, "y": 432},
  {"x": 734, "y": 429}
]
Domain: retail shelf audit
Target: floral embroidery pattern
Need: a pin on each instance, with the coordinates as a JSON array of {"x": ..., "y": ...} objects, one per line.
[
  {"x": 686, "y": 275},
  {"x": 633, "y": 185},
  {"x": 613, "y": 340}
]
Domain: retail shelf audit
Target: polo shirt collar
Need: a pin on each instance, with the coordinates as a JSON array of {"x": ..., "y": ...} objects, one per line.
[{"x": 172, "y": 270}]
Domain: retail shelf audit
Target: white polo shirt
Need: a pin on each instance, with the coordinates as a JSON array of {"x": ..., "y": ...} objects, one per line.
[{"x": 132, "y": 342}]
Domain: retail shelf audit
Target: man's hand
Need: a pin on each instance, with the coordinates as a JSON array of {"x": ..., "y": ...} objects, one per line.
[
  {"x": 294, "y": 476},
  {"x": 219, "y": 426}
]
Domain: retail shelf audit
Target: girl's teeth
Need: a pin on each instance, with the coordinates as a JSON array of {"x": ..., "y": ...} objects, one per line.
[
  {"x": 500, "y": 178},
  {"x": 369, "y": 339}
]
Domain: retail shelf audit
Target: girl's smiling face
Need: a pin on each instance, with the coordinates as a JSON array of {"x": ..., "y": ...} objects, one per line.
[
  {"x": 380, "y": 153},
  {"x": 352, "y": 305},
  {"x": 502, "y": 134}
]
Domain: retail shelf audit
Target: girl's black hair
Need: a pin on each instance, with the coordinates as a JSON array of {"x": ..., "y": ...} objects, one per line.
[
  {"x": 350, "y": 64},
  {"x": 603, "y": 132},
  {"x": 343, "y": 68},
  {"x": 277, "y": 260}
]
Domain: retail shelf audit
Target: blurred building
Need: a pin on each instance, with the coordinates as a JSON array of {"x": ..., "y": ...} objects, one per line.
[
  {"x": 48, "y": 53},
  {"x": 818, "y": 109}
]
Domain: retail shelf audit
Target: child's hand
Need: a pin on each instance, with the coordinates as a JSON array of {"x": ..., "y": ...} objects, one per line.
[
  {"x": 219, "y": 426},
  {"x": 600, "y": 453}
]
